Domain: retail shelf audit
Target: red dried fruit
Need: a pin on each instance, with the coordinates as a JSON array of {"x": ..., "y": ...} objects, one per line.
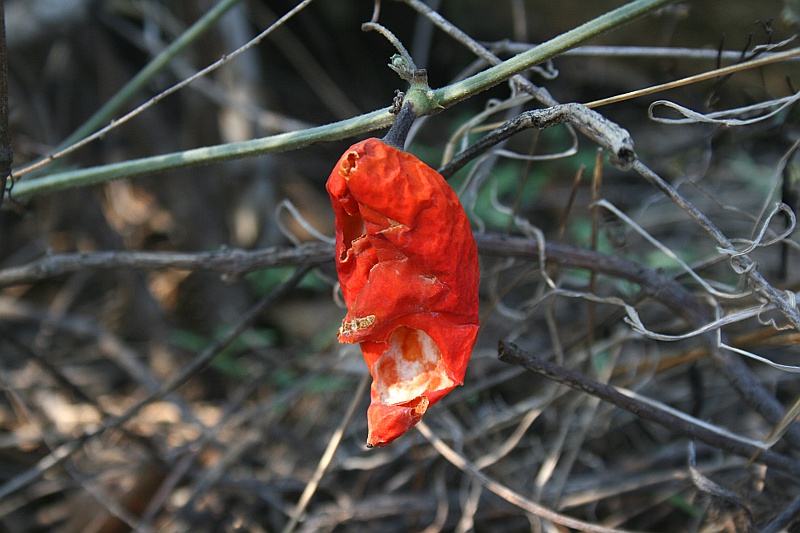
[{"x": 408, "y": 268}]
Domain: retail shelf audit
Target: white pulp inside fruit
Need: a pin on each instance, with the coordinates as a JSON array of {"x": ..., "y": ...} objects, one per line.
[{"x": 411, "y": 366}]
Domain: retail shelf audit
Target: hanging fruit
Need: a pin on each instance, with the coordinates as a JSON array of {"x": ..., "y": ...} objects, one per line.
[{"x": 408, "y": 269}]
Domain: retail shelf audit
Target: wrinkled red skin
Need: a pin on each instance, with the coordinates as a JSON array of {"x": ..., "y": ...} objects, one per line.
[{"x": 406, "y": 258}]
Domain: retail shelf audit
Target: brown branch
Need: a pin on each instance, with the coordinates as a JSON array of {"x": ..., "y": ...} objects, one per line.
[
  {"x": 511, "y": 354},
  {"x": 654, "y": 284},
  {"x": 236, "y": 262},
  {"x": 616, "y": 140},
  {"x": 233, "y": 262}
]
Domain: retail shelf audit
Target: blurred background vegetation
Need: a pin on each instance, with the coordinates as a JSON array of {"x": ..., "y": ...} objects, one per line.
[{"x": 234, "y": 447}]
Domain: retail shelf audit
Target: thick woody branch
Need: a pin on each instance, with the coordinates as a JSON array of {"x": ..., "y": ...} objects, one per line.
[{"x": 232, "y": 262}]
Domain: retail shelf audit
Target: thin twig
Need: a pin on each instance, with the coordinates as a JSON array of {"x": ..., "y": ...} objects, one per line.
[
  {"x": 594, "y": 487},
  {"x": 711, "y": 74},
  {"x": 597, "y": 182},
  {"x": 146, "y": 74},
  {"x": 742, "y": 264},
  {"x": 158, "y": 63},
  {"x": 511, "y": 354},
  {"x": 312, "y": 71},
  {"x": 706, "y": 485},
  {"x": 650, "y": 52},
  {"x": 506, "y": 493},
  {"x": 53, "y": 371},
  {"x": 392, "y": 38},
  {"x": 785, "y": 519},
  {"x": 261, "y": 414},
  {"x": 327, "y": 457}
]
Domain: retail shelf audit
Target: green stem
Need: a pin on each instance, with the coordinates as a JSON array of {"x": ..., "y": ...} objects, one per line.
[
  {"x": 211, "y": 154},
  {"x": 430, "y": 102}
]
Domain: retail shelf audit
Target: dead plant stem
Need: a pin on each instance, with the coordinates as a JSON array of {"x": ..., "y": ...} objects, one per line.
[
  {"x": 511, "y": 354},
  {"x": 742, "y": 264},
  {"x": 327, "y": 457},
  {"x": 505, "y": 492}
]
